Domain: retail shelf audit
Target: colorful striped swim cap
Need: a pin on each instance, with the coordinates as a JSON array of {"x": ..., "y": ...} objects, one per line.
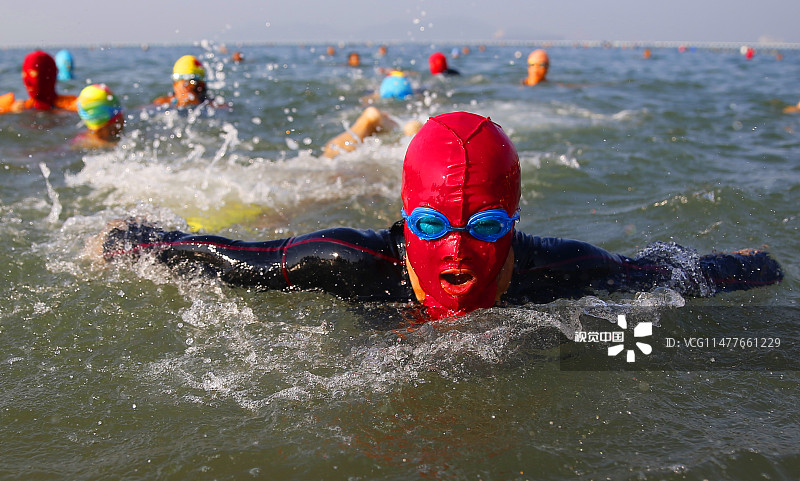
[
  {"x": 188, "y": 68},
  {"x": 396, "y": 85},
  {"x": 97, "y": 106}
]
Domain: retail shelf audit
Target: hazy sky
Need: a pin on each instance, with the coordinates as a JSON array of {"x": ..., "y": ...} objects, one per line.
[{"x": 81, "y": 22}]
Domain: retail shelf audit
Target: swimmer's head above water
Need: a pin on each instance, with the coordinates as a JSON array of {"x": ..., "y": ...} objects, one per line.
[
  {"x": 354, "y": 59},
  {"x": 102, "y": 113},
  {"x": 188, "y": 68},
  {"x": 188, "y": 81},
  {"x": 39, "y": 74},
  {"x": 437, "y": 63},
  {"x": 98, "y": 107},
  {"x": 65, "y": 64},
  {"x": 460, "y": 193},
  {"x": 538, "y": 65},
  {"x": 395, "y": 86}
]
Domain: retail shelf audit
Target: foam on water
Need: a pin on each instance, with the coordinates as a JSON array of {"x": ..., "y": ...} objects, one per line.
[
  {"x": 687, "y": 276},
  {"x": 263, "y": 359},
  {"x": 550, "y": 115},
  {"x": 196, "y": 183},
  {"x": 56, "y": 208}
]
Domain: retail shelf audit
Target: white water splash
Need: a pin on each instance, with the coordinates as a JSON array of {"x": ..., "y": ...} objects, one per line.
[
  {"x": 230, "y": 138},
  {"x": 55, "y": 209},
  {"x": 287, "y": 356}
]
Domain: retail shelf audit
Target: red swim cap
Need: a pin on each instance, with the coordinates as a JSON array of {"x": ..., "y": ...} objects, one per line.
[
  {"x": 459, "y": 164},
  {"x": 39, "y": 74},
  {"x": 437, "y": 62}
]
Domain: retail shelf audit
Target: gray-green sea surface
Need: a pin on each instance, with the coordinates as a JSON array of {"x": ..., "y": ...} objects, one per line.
[{"x": 131, "y": 371}]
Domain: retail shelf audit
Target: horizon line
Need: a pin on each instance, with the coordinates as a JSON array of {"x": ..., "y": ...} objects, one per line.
[{"x": 493, "y": 42}]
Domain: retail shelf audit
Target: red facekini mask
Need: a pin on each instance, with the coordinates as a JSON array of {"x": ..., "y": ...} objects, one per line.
[
  {"x": 39, "y": 73},
  {"x": 437, "y": 63},
  {"x": 459, "y": 164}
]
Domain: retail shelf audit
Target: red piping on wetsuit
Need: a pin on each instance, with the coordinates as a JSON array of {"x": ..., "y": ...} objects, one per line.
[
  {"x": 284, "y": 270},
  {"x": 283, "y": 249}
]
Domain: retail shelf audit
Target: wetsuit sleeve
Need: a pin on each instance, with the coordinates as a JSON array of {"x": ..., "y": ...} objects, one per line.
[
  {"x": 547, "y": 268},
  {"x": 708, "y": 274},
  {"x": 350, "y": 263}
]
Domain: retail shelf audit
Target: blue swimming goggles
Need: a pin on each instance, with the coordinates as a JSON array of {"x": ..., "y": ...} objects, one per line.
[{"x": 488, "y": 225}]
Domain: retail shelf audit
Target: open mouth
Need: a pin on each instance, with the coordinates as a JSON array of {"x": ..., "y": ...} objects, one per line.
[{"x": 457, "y": 282}]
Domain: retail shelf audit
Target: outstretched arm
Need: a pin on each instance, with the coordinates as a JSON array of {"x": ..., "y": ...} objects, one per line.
[
  {"x": 548, "y": 268},
  {"x": 369, "y": 122},
  {"x": 9, "y": 104},
  {"x": 67, "y": 102},
  {"x": 349, "y": 263},
  {"x": 703, "y": 276}
]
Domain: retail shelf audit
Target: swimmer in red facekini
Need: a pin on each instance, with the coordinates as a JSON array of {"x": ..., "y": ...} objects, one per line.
[
  {"x": 456, "y": 249},
  {"x": 459, "y": 166},
  {"x": 39, "y": 74},
  {"x": 437, "y": 63}
]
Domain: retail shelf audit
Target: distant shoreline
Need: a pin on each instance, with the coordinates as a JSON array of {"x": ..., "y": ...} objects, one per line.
[{"x": 624, "y": 44}]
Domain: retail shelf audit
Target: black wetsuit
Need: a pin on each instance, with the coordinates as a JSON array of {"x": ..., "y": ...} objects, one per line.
[{"x": 369, "y": 265}]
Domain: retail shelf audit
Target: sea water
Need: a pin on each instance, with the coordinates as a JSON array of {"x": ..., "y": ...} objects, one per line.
[{"x": 130, "y": 371}]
